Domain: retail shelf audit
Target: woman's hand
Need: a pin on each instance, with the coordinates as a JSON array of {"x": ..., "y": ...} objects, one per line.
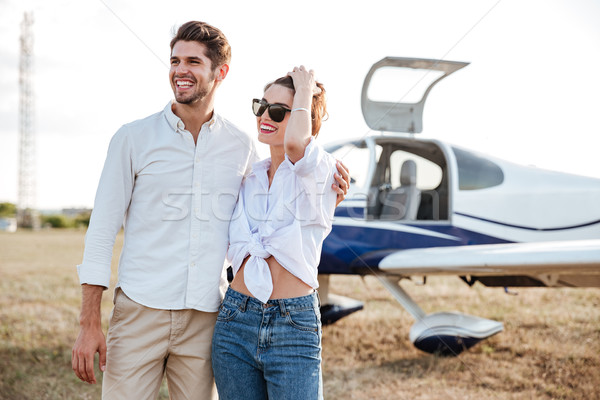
[{"x": 304, "y": 80}]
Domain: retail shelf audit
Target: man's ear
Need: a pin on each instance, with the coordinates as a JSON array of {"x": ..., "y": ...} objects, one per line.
[{"x": 222, "y": 73}]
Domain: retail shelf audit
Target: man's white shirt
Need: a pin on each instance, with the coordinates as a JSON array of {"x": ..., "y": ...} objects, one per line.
[{"x": 175, "y": 199}]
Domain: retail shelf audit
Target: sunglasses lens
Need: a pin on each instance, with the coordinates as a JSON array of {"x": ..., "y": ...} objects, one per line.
[
  {"x": 258, "y": 107},
  {"x": 277, "y": 113}
]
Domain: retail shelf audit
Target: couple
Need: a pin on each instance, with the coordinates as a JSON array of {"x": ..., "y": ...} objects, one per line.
[{"x": 175, "y": 178}]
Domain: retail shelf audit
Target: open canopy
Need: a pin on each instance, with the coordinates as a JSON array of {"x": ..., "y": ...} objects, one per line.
[{"x": 402, "y": 116}]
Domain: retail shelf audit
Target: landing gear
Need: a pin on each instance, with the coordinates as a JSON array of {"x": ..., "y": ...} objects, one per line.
[
  {"x": 445, "y": 333},
  {"x": 333, "y": 306}
]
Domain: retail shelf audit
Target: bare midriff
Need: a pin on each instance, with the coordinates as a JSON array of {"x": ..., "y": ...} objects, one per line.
[{"x": 285, "y": 284}]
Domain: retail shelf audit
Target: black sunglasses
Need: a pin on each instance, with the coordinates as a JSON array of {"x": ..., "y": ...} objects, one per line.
[{"x": 276, "y": 111}]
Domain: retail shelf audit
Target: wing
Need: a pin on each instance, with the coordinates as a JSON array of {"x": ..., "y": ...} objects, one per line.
[{"x": 565, "y": 263}]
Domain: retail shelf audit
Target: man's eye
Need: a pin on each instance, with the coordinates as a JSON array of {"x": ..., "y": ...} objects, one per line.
[{"x": 174, "y": 62}]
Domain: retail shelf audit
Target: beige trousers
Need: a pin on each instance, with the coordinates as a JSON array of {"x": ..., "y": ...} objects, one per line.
[{"x": 144, "y": 344}]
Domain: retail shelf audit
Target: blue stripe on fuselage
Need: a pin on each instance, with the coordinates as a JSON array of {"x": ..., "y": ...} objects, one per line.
[
  {"x": 352, "y": 247},
  {"x": 351, "y": 212}
]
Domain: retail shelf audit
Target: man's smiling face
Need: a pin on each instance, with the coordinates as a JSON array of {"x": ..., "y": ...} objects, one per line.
[{"x": 191, "y": 74}]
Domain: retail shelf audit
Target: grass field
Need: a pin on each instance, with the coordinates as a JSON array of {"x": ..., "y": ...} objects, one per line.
[{"x": 550, "y": 348}]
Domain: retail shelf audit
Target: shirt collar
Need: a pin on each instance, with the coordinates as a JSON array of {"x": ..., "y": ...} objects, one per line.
[
  {"x": 177, "y": 124},
  {"x": 172, "y": 119},
  {"x": 262, "y": 165}
]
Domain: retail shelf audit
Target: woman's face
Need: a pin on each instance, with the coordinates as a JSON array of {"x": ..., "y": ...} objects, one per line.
[{"x": 269, "y": 131}]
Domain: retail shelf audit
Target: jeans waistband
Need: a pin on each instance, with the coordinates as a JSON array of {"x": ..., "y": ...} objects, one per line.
[{"x": 310, "y": 301}]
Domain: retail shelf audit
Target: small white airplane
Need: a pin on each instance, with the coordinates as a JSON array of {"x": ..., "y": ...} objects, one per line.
[{"x": 421, "y": 207}]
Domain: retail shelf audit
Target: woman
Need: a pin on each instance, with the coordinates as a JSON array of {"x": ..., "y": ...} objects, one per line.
[{"x": 267, "y": 341}]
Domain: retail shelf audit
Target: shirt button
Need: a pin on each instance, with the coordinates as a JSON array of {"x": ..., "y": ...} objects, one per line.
[
  {"x": 180, "y": 125},
  {"x": 192, "y": 264}
]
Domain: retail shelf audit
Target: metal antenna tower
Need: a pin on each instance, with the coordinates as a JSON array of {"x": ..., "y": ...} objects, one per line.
[{"x": 27, "y": 216}]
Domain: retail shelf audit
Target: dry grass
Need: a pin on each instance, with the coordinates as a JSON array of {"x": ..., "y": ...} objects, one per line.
[{"x": 550, "y": 348}]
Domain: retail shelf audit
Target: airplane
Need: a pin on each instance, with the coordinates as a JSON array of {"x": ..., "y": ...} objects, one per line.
[{"x": 420, "y": 207}]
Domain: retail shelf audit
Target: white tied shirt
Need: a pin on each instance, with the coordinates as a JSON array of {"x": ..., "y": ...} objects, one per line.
[
  {"x": 289, "y": 220},
  {"x": 177, "y": 198}
]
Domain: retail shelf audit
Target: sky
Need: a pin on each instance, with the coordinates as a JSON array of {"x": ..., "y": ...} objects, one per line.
[{"x": 530, "y": 94}]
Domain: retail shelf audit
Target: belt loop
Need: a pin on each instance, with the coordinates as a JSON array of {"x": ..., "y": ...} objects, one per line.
[
  {"x": 282, "y": 309},
  {"x": 244, "y": 303}
]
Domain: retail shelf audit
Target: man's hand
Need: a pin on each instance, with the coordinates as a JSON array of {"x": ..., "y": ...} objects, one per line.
[
  {"x": 343, "y": 182},
  {"x": 91, "y": 339},
  {"x": 89, "y": 342}
]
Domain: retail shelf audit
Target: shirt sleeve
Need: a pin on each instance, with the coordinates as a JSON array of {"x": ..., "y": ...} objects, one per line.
[
  {"x": 112, "y": 201},
  {"x": 315, "y": 172},
  {"x": 313, "y": 156},
  {"x": 252, "y": 158}
]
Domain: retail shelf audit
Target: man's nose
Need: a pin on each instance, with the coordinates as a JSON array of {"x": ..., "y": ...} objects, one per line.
[{"x": 181, "y": 68}]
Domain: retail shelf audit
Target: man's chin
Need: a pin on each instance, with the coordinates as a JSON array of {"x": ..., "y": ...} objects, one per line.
[
  {"x": 188, "y": 100},
  {"x": 184, "y": 100}
]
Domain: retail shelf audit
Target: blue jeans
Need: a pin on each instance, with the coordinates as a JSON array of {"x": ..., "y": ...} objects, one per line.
[{"x": 270, "y": 350}]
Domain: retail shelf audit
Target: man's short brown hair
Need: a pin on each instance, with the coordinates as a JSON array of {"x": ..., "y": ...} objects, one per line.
[{"x": 218, "y": 49}]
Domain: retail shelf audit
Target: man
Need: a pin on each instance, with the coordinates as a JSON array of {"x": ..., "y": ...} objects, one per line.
[{"x": 174, "y": 177}]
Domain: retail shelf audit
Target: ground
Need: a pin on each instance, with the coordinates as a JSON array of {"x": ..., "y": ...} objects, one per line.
[{"x": 549, "y": 349}]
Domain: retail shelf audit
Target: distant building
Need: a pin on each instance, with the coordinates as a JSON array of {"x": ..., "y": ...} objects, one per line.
[{"x": 8, "y": 224}]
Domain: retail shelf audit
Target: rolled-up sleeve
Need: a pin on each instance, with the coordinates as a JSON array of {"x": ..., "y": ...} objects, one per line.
[
  {"x": 313, "y": 157},
  {"x": 315, "y": 173},
  {"x": 111, "y": 203}
]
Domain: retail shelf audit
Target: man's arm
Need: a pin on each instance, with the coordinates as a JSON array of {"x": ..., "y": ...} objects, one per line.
[
  {"x": 91, "y": 339},
  {"x": 112, "y": 199}
]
